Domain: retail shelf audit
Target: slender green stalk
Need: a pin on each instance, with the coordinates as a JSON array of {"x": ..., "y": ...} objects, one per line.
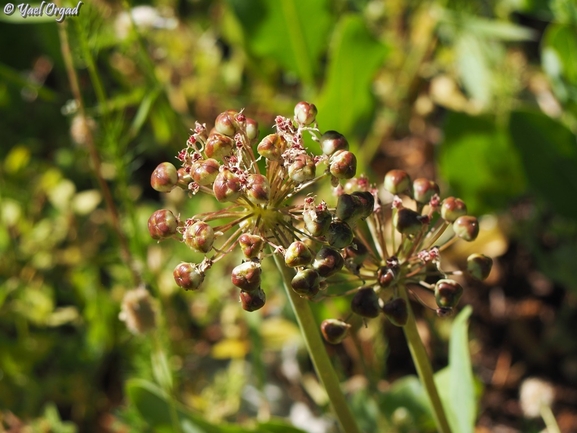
[
  {"x": 423, "y": 366},
  {"x": 549, "y": 418},
  {"x": 318, "y": 354}
]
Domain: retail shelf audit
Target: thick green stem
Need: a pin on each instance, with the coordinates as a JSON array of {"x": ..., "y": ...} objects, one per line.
[
  {"x": 318, "y": 354},
  {"x": 423, "y": 366}
]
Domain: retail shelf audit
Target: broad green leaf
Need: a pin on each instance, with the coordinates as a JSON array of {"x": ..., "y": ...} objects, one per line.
[
  {"x": 291, "y": 32},
  {"x": 408, "y": 393},
  {"x": 561, "y": 41},
  {"x": 474, "y": 69},
  {"x": 501, "y": 30},
  {"x": 548, "y": 153},
  {"x": 462, "y": 400},
  {"x": 346, "y": 99},
  {"x": 480, "y": 164}
]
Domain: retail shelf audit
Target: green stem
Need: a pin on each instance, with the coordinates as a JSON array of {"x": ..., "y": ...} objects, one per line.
[
  {"x": 423, "y": 366},
  {"x": 549, "y": 418},
  {"x": 316, "y": 349}
]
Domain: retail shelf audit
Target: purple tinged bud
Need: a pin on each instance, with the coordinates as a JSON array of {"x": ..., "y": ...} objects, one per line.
[
  {"x": 356, "y": 252},
  {"x": 447, "y": 293},
  {"x": 306, "y": 283},
  {"x": 328, "y": 261},
  {"x": 317, "y": 221},
  {"x": 343, "y": 164},
  {"x": 479, "y": 266},
  {"x": 199, "y": 236},
  {"x": 397, "y": 182},
  {"x": 331, "y": 141},
  {"x": 257, "y": 189},
  {"x": 385, "y": 276},
  {"x": 184, "y": 178},
  {"x": 204, "y": 171},
  {"x": 453, "y": 208},
  {"x": 251, "y": 245},
  {"x": 424, "y": 190},
  {"x": 188, "y": 276},
  {"x": 162, "y": 224},
  {"x": 334, "y": 331},
  {"x": 366, "y": 303},
  {"x": 305, "y": 113},
  {"x": 164, "y": 177},
  {"x": 218, "y": 146},
  {"x": 251, "y": 128},
  {"x": 396, "y": 311},
  {"x": 225, "y": 123},
  {"x": 297, "y": 254},
  {"x": 252, "y": 301},
  {"x": 246, "y": 276},
  {"x": 302, "y": 169},
  {"x": 271, "y": 147},
  {"x": 407, "y": 221},
  {"x": 466, "y": 227},
  {"x": 227, "y": 186}
]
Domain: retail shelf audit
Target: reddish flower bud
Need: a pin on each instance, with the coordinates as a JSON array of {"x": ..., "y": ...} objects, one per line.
[
  {"x": 334, "y": 331},
  {"x": 385, "y": 276},
  {"x": 305, "y": 113},
  {"x": 227, "y": 186},
  {"x": 297, "y": 254},
  {"x": 453, "y": 208},
  {"x": 396, "y": 311},
  {"x": 366, "y": 303},
  {"x": 302, "y": 168},
  {"x": 204, "y": 171},
  {"x": 251, "y": 245},
  {"x": 479, "y": 266},
  {"x": 447, "y": 293},
  {"x": 343, "y": 164},
  {"x": 218, "y": 146},
  {"x": 226, "y": 124},
  {"x": 162, "y": 224},
  {"x": 252, "y": 301},
  {"x": 331, "y": 141},
  {"x": 424, "y": 190},
  {"x": 328, "y": 261},
  {"x": 271, "y": 147},
  {"x": 466, "y": 227},
  {"x": 339, "y": 235},
  {"x": 199, "y": 236},
  {"x": 164, "y": 177},
  {"x": 257, "y": 189},
  {"x": 317, "y": 221},
  {"x": 246, "y": 276},
  {"x": 407, "y": 221},
  {"x": 251, "y": 128},
  {"x": 397, "y": 182},
  {"x": 188, "y": 276},
  {"x": 184, "y": 178},
  {"x": 306, "y": 283}
]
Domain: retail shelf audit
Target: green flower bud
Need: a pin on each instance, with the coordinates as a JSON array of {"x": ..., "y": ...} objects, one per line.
[
  {"x": 396, "y": 311},
  {"x": 343, "y": 164},
  {"x": 199, "y": 236},
  {"x": 317, "y": 221},
  {"x": 252, "y": 301},
  {"x": 328, "y": 261},
  {"x": 251, "y": 128},
  {"x": 162, "y": 224},
  {"x": 271, "y": 147},
  {"x": 466, "y": 227},
  {"x": 246, "y": 276},
  {"x": 305, "y": 113},
  {"x": 218, "y": 146},
  {"x": 164, "y": 177},
  {"x": 339, "y": 235},
  {"x": 227, "y": 186},
  {"x": 297, "y": 254},
  {"x": 184, "y": 178},
  {"x": 302, "y": 168},
  {"x": 204, "y": 171},
  {"x": 479, "y": 266},
  {"x": 447, "y": 293},
  {"x": 366, "y": 303},
  {"x": 397, "y": 182},
  {"x": 251, "y": 245},
  {"x": 257, "y": 189},
  {"x": 226, "y": 124},
  {"x": 453, "y": 208},
  {"x": 306, "y": 283},
  {"x": 334, "y": 331},
  {"x": 331, "y": 141},
  {"x": 188, "y": 276},
  {"x": 407, "y": 221},
  {"x": 424, "y": 190}
]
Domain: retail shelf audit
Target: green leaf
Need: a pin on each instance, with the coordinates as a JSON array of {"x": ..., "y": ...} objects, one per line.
[
  {"x": 480, "y": 164},
  {"x": 474, "y": 69},
  {"x": 291, "y": 32},
  {"x": 354, "y": 58},
  {"x": 561, "y": 41},
  {"x": 408, "y": 393},
  {"x": 548, "y": 151},
  {"x": 462, "y": 403}
]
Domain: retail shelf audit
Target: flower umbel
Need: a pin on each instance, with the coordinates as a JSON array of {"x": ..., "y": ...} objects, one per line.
[{"x": 256, "y": 181}]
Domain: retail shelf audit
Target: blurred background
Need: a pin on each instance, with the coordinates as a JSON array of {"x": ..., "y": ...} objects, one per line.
[{"x": 480, "y": 96}]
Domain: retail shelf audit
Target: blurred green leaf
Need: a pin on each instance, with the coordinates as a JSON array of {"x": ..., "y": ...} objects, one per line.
[
  {"x": 291, "y": 32},
  {"x": 548, "y": 151},
  {"x": 561, "y": 41},
  {"x": 479, "y": 163},
  {"x": 474, "y": 68},
  {"x": 408, "y": 393},
  {"x": 354, "y": 58}
]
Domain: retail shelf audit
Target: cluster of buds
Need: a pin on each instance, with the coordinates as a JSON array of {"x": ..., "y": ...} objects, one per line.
[
  {"x": 255, "y": 181},
  {"x": 399, "y": 246}
]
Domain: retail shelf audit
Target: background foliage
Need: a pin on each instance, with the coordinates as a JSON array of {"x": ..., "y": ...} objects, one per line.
[{"x": 481, "y": 96}]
